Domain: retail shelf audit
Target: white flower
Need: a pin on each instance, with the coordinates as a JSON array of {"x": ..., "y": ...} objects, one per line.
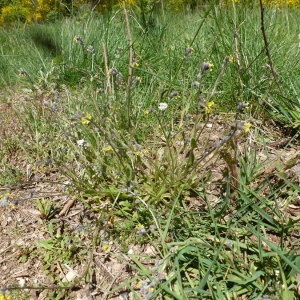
[
  {"x": 80, "y": 143},
  {"x": 163, "y": 106}
]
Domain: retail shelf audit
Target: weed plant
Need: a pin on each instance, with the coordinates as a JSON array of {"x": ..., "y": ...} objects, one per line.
[{"x": 135, "y": 119}]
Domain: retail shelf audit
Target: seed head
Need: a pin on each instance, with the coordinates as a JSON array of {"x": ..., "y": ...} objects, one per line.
[
  {"x": 113, "y": 72},
  {"x": 174, "y": 94},
  {"x": 242, "y": 106},
  {"x": 90, "y": 49},
  {"x": 23, "y": 73},
  {"x": 78, "y": 39},
  {"x": 196, "y": 84},
  {"x": 206, "y": 66},
  {"x": 188, "y": 51}
]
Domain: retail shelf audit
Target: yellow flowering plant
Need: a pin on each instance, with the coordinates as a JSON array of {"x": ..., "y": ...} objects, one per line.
[
  {"x": 26, "y": 11},
  {"x": 31, "y": 11}
]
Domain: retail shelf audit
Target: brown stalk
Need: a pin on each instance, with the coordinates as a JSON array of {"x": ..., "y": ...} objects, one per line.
[
  {"x": 230, "y": 158},
  {"x": 106, "y": 68}
]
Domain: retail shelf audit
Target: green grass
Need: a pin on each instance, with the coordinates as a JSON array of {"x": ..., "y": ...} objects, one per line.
[{"x": 153, "y": 170}]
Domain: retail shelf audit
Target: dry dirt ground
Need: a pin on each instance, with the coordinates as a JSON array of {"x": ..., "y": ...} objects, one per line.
[{"x": 22, "y": 225}]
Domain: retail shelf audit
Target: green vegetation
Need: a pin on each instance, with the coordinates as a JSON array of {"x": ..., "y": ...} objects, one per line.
[{"x": 157, "y": 127}]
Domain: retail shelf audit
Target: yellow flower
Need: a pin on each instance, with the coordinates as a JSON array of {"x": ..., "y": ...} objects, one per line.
[
  {"x": 139, "y": 284},
  {"x": 134, "y": 64},
  {"x": 230, "y": 58},
  {"x": 106, "y": 248},
  {"x": 144, "y": 152},
  {"x": 141, "y": 153},
  {"x": 107, "y": 149},
  {"x": 6, "y": 194},
  {"x": 87, "y": 119},
  {"x": 247, "y": 127},
  {"x": 129, "y": 2},
  {"x": 208, "y": 108},
  {"x": 12, "y": 206}
]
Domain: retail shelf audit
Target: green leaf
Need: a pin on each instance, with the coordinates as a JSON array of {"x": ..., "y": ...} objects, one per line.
[
  {"x": 236, "y": 279},
  {"x": 47, "y": 244},
  {"x": 193, "y": 143}
]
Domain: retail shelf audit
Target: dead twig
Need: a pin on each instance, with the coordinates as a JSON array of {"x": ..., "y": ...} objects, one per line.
[
  {"x": 106, "y": 68},
  {"x": 67, "y": 206}
]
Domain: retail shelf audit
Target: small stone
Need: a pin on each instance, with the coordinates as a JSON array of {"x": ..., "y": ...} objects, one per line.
[{"x": 130, "y": 251}]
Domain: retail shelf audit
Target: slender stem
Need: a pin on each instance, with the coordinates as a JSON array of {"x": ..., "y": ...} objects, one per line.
[
  {"x": 236, "y": 44},
  {"x": 168, "y": 145},
  {"x": 268, "y": 54},
  {"x": 106, "y": 68},
  {"x": 130, "y": 68}
]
